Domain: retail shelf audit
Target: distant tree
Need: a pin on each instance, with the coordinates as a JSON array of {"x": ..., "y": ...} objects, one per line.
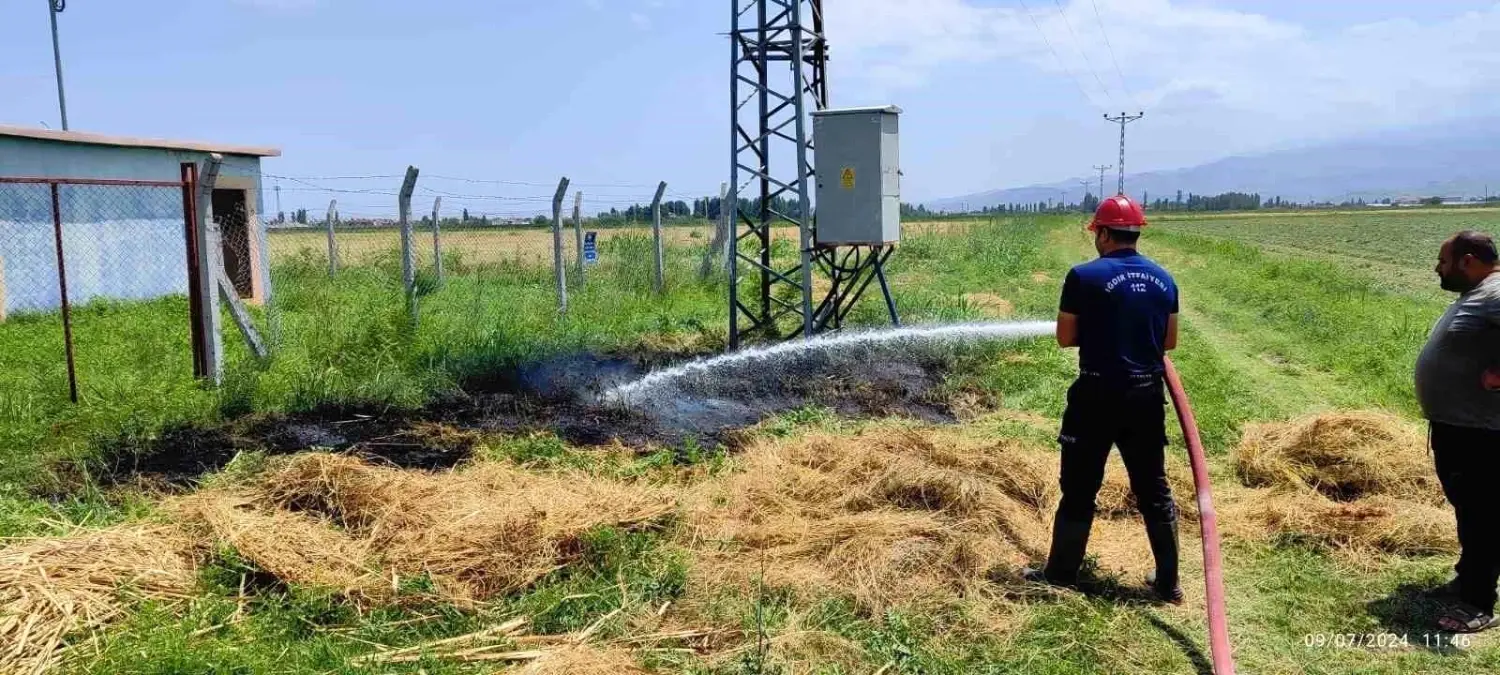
[
  {"x": 1090, "y": 203},
  {"x": 539, "y": 221},
  {"x": 281, "y": 216},
  {"x": 1432, "y": 201}
]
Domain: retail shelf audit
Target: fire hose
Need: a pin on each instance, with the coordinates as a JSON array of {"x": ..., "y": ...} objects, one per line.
[{"x": 1213, "y": 561}]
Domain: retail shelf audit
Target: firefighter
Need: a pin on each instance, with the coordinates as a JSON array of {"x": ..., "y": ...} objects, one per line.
[{"x": 1120, "y": 310}]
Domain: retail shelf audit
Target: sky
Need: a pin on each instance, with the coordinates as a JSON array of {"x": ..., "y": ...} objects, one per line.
[{"x": 494, "y": 100}]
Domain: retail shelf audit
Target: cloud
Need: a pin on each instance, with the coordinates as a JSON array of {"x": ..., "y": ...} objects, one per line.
[
  {"x": 640, "y": 20},
  {"x": 1177, "y": 58}
]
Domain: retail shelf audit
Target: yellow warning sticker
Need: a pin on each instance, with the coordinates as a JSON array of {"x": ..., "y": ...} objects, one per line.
[{"x": 846, "y": 179}]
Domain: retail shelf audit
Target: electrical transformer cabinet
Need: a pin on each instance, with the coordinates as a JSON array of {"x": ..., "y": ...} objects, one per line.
[{"x": 858, "y": 176}]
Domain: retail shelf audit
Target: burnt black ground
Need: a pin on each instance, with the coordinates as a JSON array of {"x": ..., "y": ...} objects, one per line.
[{"x": 559, "y": 395}]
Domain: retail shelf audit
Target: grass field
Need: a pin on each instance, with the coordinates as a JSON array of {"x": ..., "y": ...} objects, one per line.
[{"x": 1284, "y": 316}]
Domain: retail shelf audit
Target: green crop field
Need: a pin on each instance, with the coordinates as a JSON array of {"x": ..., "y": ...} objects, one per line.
[{"x": 812, "y": 543}]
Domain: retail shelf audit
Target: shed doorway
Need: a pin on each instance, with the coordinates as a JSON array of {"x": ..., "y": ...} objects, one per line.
[{"x": 233, "y": 217}]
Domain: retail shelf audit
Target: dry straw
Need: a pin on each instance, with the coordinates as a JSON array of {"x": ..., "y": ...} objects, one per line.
[
  {"x": 1343, "y": 456},
  {"x": 478, "y": 532},
  {"x": 1358, "y": 482},
  {"x": 52, "y": 589}
]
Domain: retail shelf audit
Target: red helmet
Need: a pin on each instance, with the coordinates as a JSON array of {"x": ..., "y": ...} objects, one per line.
[{"x": 1119, "y": 213}]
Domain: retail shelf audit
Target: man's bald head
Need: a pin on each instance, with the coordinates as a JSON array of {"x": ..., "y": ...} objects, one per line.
[{"x": 1465, "y": 260}]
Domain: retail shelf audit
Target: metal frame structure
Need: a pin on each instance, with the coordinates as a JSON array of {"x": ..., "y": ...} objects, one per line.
[
  {"x": 769, "y": 123},
  {"x": 191, "y": 225}
]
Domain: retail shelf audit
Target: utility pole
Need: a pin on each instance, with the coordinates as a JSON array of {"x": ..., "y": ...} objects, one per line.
[
  {"x": 56, "y": 7},
  {"x": 1085, "y": 184},
  {"x": 278, "y": 202},
  {"x": 1101, "y": 169},
  {"x": 1123, "y": 120}
]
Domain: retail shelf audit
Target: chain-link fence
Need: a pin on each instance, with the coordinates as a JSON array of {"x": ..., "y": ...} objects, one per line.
[
  {"x": 476, "y": 246},
  {"x": 93, "y": 287}
]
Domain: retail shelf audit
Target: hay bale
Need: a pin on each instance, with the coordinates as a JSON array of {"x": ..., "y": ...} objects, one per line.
[
  {"x": 56, "y": 587},
  {"x": 1344, "y": 456},
  {"x": 479, "y": 532},
  {"x": 1381, "y": 523},
  {"x": 293, "y": 547}
]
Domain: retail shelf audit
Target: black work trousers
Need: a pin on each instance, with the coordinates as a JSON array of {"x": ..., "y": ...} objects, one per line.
[
  {"x": 1468, "y": 464},
  {"x": 1101, "y": 415}
]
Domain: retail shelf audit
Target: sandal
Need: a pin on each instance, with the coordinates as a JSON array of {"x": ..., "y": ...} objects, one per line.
[{"x": 1466, "y": 618}]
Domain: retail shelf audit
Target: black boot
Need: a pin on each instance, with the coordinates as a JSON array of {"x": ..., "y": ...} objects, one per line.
[
  {"x": 1070, "y": 540},
  {"x": 1163, "y": 538}
]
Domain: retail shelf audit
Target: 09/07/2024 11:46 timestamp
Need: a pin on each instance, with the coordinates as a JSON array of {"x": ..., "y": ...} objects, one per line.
[{"x": 1387, "y": 640}]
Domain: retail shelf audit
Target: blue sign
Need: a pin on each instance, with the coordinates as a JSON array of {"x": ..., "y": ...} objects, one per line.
[{"x": 590, "y": 248}]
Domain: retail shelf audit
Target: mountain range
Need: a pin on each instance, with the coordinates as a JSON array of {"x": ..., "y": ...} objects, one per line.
[{"x": 1460, "y": 159}]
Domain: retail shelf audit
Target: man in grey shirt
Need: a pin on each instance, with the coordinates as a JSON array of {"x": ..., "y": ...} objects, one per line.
[{"x": 1458, "y": 386}]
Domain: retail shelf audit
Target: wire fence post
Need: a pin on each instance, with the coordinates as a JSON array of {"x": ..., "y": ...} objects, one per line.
[
  {"x": 578, "y": 231},
  {"x": 210, "y": 262},
  {"x": 408, "y": 264},
  {"x": 558, "y": 265},
  {"x": 437, "y": 240},
  {"x": 656, "y": 235},
  {"x": 333, "y": 247},
  {"x": 716, "y": 244}
]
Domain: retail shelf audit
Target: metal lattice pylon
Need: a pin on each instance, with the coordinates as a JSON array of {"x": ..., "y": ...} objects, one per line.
[{"x": 777, "y": 70}]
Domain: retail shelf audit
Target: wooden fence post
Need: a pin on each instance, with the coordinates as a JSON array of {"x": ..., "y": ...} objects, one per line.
[
  {"x": 661, "y": 282},
  {"x": 557, "y": 245},
  {"x": 408, "y": 264}
]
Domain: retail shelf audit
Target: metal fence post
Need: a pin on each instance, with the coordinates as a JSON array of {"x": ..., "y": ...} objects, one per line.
[
  {"x": 437, "y": 239},
  {"x": 656, "y": 235},
  {"x": 578, "y": 231},
  {"x": 408, "y": 266},
  {"x": 557, "y": 245},
  {"x": 333, "y": 247},
  {"x": 62, "y": 289},
  {"x": 210, "y": 261}
]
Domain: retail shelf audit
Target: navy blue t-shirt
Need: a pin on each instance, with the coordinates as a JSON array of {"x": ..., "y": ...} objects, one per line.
[{"x": 1122, "y": 301}]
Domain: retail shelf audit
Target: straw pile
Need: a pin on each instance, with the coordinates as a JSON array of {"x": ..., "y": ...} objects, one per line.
[
  {"x": 478, "y": 532},
  {"x": 1379, "y": 523},
  {"x": 293, "y": 547},
  {"x": 1344, "y": 456},
  {"x": 886, "y": 517},
  {"x": 53, "y": 588},
  {"x": 1357, "y": 482}
]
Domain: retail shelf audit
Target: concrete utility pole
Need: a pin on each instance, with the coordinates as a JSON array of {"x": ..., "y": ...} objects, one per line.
[
  {"x": 1101, "y": 168},
  {"x": 56, "y": 7},
  {"x": 1123, "y": 120},
  {"x": 278, "y": 203}
]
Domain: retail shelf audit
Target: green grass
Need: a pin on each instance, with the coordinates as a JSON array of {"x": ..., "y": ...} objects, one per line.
[{"x": 1282, "y": 316}]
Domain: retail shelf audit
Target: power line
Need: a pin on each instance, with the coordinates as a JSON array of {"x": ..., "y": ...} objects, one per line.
[
  {"x": 1055, "y": 57},
  {"x": 1081, "y": 51},
  {"x": 1124, "y": 87}
]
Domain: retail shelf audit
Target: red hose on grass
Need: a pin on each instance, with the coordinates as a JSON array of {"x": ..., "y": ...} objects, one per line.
[{"x": 1213, "y": 561}]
